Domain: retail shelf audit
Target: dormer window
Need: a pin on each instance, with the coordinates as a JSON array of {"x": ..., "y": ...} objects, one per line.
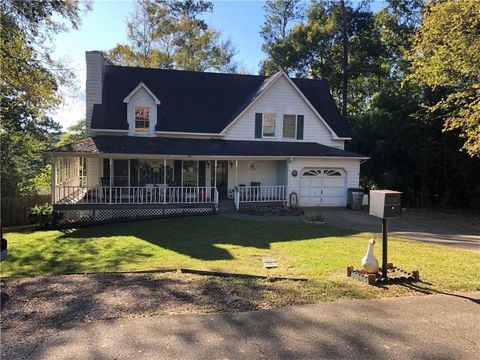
[
  {"x": 142, "y": 119},
  {"x": 142, "y": 107}
]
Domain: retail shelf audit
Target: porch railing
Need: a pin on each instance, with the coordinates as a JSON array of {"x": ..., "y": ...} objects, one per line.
[
  {"x": 70, "y": 195},
  {"x": 251, "y": 194}
]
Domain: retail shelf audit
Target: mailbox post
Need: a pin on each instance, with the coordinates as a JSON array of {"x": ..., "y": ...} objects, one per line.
[{"x": 385, "y": 204}]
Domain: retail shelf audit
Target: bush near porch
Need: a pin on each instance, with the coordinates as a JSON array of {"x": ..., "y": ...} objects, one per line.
[{"x": 320, "y": 252}]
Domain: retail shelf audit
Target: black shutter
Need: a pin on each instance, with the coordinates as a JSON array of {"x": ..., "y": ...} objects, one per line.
[
  {"x": 258, "y": 126},
  {"x": 201, "y": 173},
  {"x": 177, "y": 169},
  {"x": 106, "y": 169},
  {"x": 300, "y": 127},
  {"x": 133, "y": 172}
]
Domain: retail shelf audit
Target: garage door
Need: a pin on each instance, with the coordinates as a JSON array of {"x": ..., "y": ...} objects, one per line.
[{"x": 322, "y": 187}]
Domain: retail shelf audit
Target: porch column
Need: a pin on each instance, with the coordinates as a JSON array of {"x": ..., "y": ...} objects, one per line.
[
  {"x": 236, "y": 172},
  {"x": 215, "y": 175},
  {"x": 111, "y": 171},
  {"x": 111, "y": 178},
  {"x": 164, "y": 181},
  {"x": 54, "y": 178}
]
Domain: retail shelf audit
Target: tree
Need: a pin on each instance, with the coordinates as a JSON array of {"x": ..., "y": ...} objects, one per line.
[
  {"x": 315, "y": 48},
  {"x": 170, "y": 34},
  {"x": 40, "y": 181},
  {"x": 74, "y": 133},
  {"x": 445, "y": 57},
  {"x": 409, "y": 152},
  {"x": 391, "y": 120},
  {"x": 29, "y": 84},
  {"x": 279, "y": 16}
]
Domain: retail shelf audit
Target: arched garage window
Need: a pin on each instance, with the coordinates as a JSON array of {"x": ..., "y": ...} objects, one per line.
[{"x": 320, "y": 172}]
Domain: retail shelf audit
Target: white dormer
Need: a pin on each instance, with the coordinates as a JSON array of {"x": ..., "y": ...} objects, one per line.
[{"x": 141, "y": 111}]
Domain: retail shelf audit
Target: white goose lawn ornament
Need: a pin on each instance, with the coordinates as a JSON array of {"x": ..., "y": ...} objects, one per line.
[{"x": 369, "y": 263}]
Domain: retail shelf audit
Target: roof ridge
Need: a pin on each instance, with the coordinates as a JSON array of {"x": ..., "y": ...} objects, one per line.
[
  {"x": 211, "y": 72},
  {"x": 184, "y": 71}
]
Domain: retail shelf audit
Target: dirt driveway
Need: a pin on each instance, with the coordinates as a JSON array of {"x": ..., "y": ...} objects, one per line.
[{"x": 450, "y": 229}]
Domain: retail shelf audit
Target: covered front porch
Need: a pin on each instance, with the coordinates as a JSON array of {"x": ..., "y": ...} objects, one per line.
[{"x": 89, "y": 181}]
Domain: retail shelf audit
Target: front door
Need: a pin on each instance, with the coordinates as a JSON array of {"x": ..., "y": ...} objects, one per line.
[{"x": 222, "y": 178}]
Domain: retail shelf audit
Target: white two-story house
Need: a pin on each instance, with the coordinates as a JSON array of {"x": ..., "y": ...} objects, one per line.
[{"x": 168, "y": 141}]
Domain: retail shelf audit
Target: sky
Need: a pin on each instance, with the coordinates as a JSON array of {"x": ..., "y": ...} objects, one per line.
[{"x": 105, "y": 26}]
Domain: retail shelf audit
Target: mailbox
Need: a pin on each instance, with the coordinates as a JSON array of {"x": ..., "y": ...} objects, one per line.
[{"x": 385, "y": 203}]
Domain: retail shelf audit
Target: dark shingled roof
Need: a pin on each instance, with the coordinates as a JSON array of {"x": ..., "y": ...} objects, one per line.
[
  {"x": 198, "y": 102},
  {"x": 105, "y": 144}
]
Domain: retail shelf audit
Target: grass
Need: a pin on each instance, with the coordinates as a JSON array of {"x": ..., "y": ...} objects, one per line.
[{"x": 320, "y": 252}]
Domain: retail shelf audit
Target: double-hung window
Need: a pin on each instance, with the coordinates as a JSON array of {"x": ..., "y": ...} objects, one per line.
[
  {"x": 289, "y": 126},
  {"x": 142, "y": 119},
  {"x": 268, "y": 125}
]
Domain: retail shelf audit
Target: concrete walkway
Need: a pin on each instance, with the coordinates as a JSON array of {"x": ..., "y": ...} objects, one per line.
[
  {"x": 417, "y": 327},
  {"x": 442, "y": 232}
]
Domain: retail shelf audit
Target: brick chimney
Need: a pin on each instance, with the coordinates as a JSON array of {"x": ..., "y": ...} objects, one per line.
[{"x": 94, "y": 84}]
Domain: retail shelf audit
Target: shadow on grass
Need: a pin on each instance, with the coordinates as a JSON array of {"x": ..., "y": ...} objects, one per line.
[{"x": 198, "y": 237}]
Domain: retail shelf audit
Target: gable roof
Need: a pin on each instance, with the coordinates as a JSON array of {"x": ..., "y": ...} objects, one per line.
[
  {"x": 269, "y": 82},
  {"x": 141, "y": 85},
  {"x": 199, "y": 102},
  {"x": 133, "y": 145}
]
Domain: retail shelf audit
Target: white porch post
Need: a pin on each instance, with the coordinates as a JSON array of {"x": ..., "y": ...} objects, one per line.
[
  {"x": 164, "y": 181},
  {"x": 111, "y": 178},
  {"x": 128, "y": 171},
  {"x": 236, "y": 172},
  {"x": 215, "y": 175},
  {"x": 54, "y": 178},
  {"x": 111, "y": 171}
]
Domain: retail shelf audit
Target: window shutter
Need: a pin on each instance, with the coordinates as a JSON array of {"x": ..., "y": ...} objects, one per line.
[
  {"x": 177, "y": 172},
  {"x": 201, "y": 173},
  {"x": 258, "y": 126},
  {"x": 133, "y": 172},
  {"x": 300, "y": 127},
  {"x": 106, "y": 168}
]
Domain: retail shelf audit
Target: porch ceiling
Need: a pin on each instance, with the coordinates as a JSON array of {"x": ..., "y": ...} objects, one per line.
[{"x": 130, "y": 145}]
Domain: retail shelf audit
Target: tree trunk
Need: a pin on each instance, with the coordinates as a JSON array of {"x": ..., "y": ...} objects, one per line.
[{"x": 344, "y": 58}]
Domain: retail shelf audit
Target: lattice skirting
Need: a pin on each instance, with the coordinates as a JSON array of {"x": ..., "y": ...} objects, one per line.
[{"x": 92, "y": 216}]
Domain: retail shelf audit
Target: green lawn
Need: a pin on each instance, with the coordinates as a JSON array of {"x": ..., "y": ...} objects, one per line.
[{"x": 319, "y": 252}]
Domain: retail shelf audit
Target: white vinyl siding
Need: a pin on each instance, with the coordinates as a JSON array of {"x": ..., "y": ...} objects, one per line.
[
  {"x": 94, "y": 171},
  {"x": 94, "y": 85},
  {"x": 281, "y": 98},
  {"x": 267, "y": 172}
]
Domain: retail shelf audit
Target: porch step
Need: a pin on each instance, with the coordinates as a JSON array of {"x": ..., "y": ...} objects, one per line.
[{"x": 226, "y": 205}]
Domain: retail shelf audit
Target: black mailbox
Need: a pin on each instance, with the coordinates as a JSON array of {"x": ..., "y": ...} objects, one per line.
[{"x": 385, "y": 203}]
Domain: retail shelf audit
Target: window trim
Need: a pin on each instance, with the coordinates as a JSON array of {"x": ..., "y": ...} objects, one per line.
[
  {"x": 146, "y": 129},
  {"x": 294, "y": 137},
  {"x": 274, "y": 125}
]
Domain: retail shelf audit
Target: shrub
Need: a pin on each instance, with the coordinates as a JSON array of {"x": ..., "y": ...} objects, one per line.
[
  {"x": 317, "y": 218},
  {"x": 44, "y": 215}
]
